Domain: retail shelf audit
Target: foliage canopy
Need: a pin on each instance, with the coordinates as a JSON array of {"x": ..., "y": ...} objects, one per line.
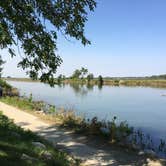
[
  {"x": 79, "y": 73},
  {"x": 23, "y": 23}
]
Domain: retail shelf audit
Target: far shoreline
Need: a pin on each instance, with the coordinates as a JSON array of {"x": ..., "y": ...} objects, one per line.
[{"x": 124, "y": 81}]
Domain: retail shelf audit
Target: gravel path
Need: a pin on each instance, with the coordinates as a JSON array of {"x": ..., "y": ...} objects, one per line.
[{"x": 91, "y": 151}]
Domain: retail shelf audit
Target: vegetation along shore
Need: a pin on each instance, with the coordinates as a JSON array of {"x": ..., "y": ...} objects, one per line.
[
  {"x": 82, "y": 76},
  {"x": 120, "y": 134}
]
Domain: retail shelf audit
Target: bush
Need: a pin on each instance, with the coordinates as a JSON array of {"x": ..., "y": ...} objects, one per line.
[
  {"x": 8, "y": 90},
  {"x": 5, "y": 85}
]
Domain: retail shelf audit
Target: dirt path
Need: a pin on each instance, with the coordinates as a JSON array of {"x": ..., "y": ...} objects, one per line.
[{"x": 89, "y": 150}]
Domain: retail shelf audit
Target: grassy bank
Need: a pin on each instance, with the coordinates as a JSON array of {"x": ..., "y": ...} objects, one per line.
[
  {"x": 8, "y": 90},
  {"x": 17, "y": 148},
  {"x": 120, "y": 134}
]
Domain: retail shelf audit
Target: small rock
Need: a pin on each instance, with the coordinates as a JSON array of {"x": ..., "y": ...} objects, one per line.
[
  {"x": 39, "y": 145},
  {"x": 150, "y": 152},
  {"x": 140, "y": 153},
  {"x": 26, "y": 157},
  {"x": 47, "y": 155},
  {"x": 40, "y": 112}
]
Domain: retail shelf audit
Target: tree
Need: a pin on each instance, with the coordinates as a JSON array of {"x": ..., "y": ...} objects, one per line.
[
  {"x": 76, "y": 74},
  {"x": 80, "y": 73},
  {"x": 100, "y": 80},
  {"x": 83, "y": 71},
  {"x": 24, "y": 23},
  {"x": 63, "y": 77},
  {"x": 59, "y": 79},
  {"x": 90, "y": 77}
]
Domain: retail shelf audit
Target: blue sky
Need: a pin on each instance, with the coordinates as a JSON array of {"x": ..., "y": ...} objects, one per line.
[{"x": 128, "y": 39}]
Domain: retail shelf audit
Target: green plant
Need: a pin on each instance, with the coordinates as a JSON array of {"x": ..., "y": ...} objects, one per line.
[
  {"x": 30, "y": 99},
  {"x": 69, "y": 118},
  {"x": 5, "y": 85},
  {"x": 22, "y": 103},
  {"x": 52, "y": 109},
  {"x": 90, "y": 77},
  {"x": 116, "y": 82},
  {"x": 123, "y": 131}
]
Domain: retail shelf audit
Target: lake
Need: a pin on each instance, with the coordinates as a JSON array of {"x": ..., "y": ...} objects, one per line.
[{"x": 141, "y": 107}]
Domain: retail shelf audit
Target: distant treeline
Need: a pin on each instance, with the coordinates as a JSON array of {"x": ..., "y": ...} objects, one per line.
[
  {"x": 84, "y": 72},
  {"x": 82, "y": 76},
  {"x": 156, "y": 77}
]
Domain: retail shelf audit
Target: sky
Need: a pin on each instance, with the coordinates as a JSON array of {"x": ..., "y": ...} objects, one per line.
[{"x": 128, "y": 39}]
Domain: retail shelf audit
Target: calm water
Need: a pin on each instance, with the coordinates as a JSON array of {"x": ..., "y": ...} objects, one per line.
[{"x": 142, "y": 107}]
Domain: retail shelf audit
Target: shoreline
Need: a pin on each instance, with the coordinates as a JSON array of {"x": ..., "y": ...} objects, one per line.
[
  {"x": 154, "y": 83},
  {"x": 68, "y": 120},
  {"x": 120, "y": 153}
]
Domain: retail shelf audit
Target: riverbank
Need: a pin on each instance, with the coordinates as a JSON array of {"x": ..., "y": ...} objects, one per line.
[
  {"x": 115, "y": 134},
  {"x": 87, "y": 148},
  {"x": 120, "y": 134},
  {"x": 108, "y": 129}
]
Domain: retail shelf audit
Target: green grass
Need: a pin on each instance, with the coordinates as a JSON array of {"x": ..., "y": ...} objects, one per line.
[
  {"x": 22, "y": 103},
  {"x": 14, "y": 141},
  {"x": 4, "y": 84}
]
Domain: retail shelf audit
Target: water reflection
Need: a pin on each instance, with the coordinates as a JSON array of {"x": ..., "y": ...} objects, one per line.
[
  {"x": 90, "y": 87},
  {"x": 61, "y": 85},
  {"x": 81, "y": 89},
  {"x": 100, "y": 86}
]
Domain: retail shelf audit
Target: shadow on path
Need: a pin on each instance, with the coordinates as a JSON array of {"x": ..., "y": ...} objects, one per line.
[{"x": 91, "y": 150}]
